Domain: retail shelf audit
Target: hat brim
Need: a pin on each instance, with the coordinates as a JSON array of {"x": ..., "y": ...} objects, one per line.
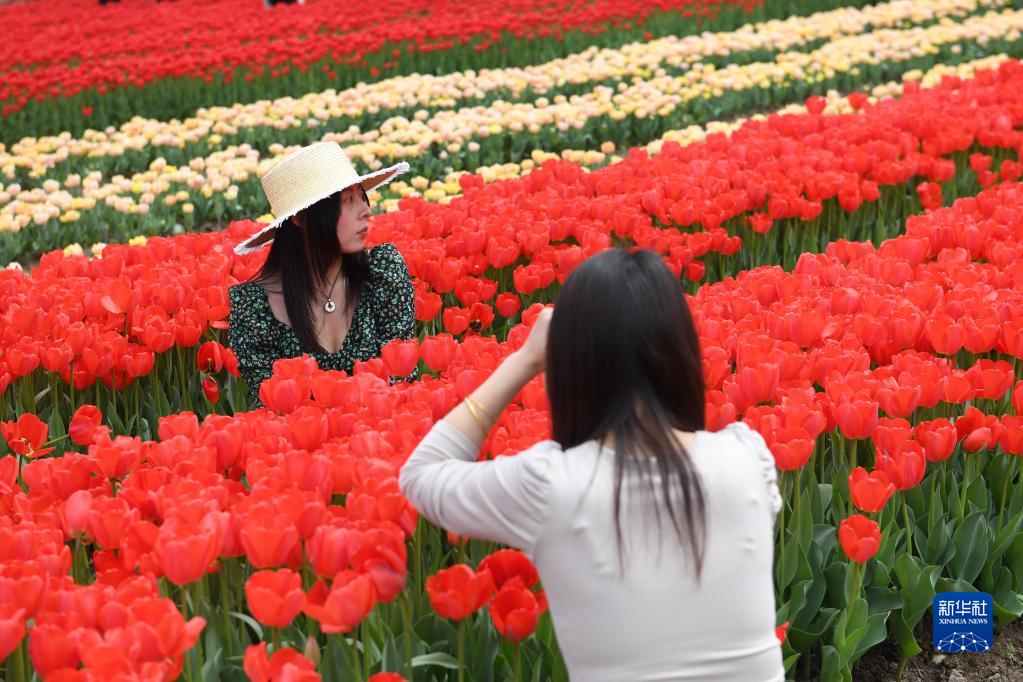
[{"x": 369, "y": 182}]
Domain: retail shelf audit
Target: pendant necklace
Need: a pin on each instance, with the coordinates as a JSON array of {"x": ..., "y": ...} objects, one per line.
[{"x": 330, "y": 306}]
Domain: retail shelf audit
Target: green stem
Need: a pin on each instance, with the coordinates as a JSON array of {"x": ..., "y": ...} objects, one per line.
[
  {"x": 518, "y": 663},
  {"x": 20, "y": 664},
  {"x": 909, "y": 528},
  {"x": 276, "y": 639},
  {"x": 1010, "y": 473},
  {"x": 406, "y": 613},
  {"x": 461, "y": 650},
  {"x": 962, "y": 494},
  {"x": 781, "y": 529},
  {"x": 356, "y": 658},
  {"x": 364, "y": 631},
  {"x": 225, "y": 610},
  {"x": 857, "y": 583}
]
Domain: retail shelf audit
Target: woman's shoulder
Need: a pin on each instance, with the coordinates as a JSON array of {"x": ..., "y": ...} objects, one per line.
[
  {"x": 748, "y": 444},
  {"x": 243, "y": 291},
  {"x": 386, "y": 261}
]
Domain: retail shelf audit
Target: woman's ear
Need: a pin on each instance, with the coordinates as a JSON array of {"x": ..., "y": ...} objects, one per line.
[{"x": 299, "y": 219}]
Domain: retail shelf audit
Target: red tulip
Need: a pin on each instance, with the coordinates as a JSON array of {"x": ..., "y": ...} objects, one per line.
[
  {"x": 791, "y": 447},
  {"x": 286, "y": 665},
  {"x": 8, "y": 474},
  {"x": 905, "y": 466},
  {"x": 210, "y": 357},
  {"x": 400, "y": 357},
  {"x": 507, "y": 304},
  {"x": 12, "y": 629},
  {"x": 458, "y": 592},
  {"x": 506, "y": 564},
  {"x": 456, "y": 320},
  {"x": 438, "y": 351},
  {"x": 269, "y": 539},
  {"x": 938, "y": 438},
  {"x": 860, "y": 537},
  {"x": 186, "y": 550},
  {"x": 515, "y": 611},
  {"x": 84, "y": 423},
  {"x": 870, "y": 491},
  {"x": 382, "y": 556},
  {"x": 52, "y": 647},
  {"x": 210, "y": 389},
  {"x": 1011, "y": 435},
  {"x": 275, "y": 597},
  {"x": 856, "y": 418},
  {"x": 781, "y": 632},
  {"x": 339, "y": 609},
  {"x": 26, "y": 435}
]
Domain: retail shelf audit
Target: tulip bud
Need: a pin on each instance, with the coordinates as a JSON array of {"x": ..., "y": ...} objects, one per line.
[{"x": 312, "y": 651}]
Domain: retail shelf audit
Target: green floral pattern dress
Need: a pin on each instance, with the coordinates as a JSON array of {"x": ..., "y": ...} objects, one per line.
[{"x": 385, "y": 311}]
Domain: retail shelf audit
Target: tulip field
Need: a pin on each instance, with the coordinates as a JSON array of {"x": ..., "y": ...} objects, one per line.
[{"x": 837, "y": 186}]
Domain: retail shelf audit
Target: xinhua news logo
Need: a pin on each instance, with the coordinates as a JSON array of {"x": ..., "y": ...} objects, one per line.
[{"x": 963, "y": 622}]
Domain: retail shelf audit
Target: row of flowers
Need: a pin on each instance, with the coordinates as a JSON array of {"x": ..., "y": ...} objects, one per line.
[
  {"x": 312, "y": 548},
  {"x": 445, "y": 189},
  {"x": 302, "y": 49},
  {"x": 370, "y": 104},
  {"x": 160, "y": 199},
  {"x": 766, "y": 194}
]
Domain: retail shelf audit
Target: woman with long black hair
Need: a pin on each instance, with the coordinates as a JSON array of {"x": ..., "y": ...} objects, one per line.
[
  {"x": 653, "y": 537},
  {"x": 320, "y": 291}
]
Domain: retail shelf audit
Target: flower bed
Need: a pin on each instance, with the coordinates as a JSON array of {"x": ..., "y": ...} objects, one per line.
[{"x": 312, "y": 552}]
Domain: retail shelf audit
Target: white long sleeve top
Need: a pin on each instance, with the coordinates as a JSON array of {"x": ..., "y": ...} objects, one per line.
[{"x": 652, "y": 620}]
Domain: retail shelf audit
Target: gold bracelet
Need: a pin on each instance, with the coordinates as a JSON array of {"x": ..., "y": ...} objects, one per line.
[
  {"x": 482, "y": 409},
  {"x": 475, "y": 415}
]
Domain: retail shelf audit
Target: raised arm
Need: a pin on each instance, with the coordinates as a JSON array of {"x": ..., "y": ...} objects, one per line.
[{"x": 505, "y": 500}]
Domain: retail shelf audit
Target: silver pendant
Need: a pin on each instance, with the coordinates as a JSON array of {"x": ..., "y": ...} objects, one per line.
[{"x": 329, "y": 305}]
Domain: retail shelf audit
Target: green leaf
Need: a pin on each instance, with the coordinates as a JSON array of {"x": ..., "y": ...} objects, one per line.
[
  {"x": 875, "y": 633},
  {"x": 1005, "y": 598},
  {"x": 825, "y": 536},
  {"x": 916, "y": 584},
  {"x": 852, "y": 626},
  {"x": 791, "y": 555},
  {"x": 214, "y": 656},
  {"x": 250, "y": 621},
  {"x": 831, "y": 663},
  {"x": 883, "y": 599},
  {"x": 1014, "y": 560},
  {"x": 938, "y": 534},
  {"x": 835, "y": 576},
  {"x": 438, "y": 658},
  {"x": 977, "y": 494},
  {"x": 971, "y": 541},
  {"x": 904, "y": 635},
  {"x": 1005, "y": 536}
]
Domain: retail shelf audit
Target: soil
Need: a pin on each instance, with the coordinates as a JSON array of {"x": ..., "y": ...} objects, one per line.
[{"x": 1002, "y": 663}]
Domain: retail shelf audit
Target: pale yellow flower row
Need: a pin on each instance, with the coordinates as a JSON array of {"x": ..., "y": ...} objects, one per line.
[
  {"x": 636, "y": 60},
  {"x": 459, "y": 131},
  {"x": 448, "y": 189}
]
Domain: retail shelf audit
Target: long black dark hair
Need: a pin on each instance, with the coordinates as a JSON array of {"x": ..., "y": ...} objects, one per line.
[
  {"x": 300, "y": 256},
  {"x": 623, "y": 360}
]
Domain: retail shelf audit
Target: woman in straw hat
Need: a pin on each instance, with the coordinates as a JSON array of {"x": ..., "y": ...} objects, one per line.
[{"x": 320, "y": 291}]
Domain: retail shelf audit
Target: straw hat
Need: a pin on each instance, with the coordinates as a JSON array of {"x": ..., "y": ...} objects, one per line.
[{"x": 306, "y": 176}]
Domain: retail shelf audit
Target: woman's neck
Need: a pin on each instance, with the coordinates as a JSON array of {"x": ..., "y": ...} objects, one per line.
[{"x": 331, "y": 277}]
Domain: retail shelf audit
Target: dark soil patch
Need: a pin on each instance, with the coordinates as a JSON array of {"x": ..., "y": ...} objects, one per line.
[{"x": 1002, "y": 663}]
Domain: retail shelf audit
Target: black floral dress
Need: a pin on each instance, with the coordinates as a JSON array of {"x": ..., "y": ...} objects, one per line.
[{"x": 385, "y": 311}]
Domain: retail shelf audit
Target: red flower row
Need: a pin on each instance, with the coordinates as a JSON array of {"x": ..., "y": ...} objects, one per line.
[
  {"x": 107, "y": 318},
  {"x": 55, "y": 60}
]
